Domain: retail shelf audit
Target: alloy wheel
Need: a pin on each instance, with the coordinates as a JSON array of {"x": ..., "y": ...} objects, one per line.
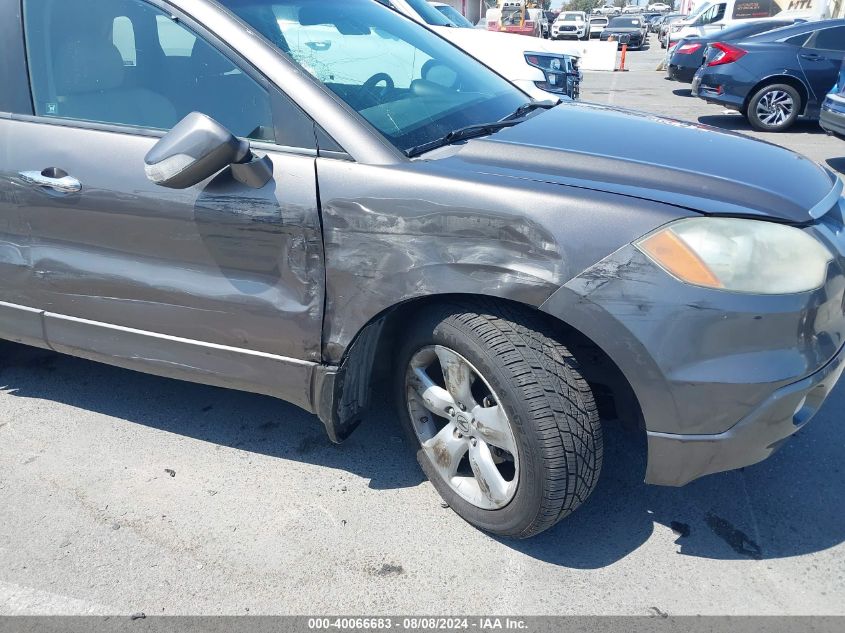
[
  {"x": 775, "y": 107},
  {"x": 462, "y": 427}
]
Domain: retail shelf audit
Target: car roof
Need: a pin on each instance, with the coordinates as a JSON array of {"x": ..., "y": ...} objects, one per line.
[
  {"x": 795, "y": 29},
  {"x": 749, "y": 25}
]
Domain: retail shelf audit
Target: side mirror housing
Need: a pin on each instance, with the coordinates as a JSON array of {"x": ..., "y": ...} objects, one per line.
[{"x": 199, "y": 147}]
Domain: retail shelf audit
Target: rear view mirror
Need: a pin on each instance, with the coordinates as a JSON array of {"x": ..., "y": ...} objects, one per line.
[{"x": 197, "y": 148}]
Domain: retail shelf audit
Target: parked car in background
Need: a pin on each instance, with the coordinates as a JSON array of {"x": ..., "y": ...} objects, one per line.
[
  {"x": 632, "y": 9},
  {"x": 832, "y": 118},
  {"x": 540, "y": 17},
  {"x": 665, "y": 25},
  {"x": 314, "y": 221},
  {"x": 608, "y": 10},
  {"x": 625, "y": 30},
  {"x": 776, "y": 77},
  {"x": 597, "y": 24},
  {"x": 571, "y": 24},
  {"x": 654, "y": 23},
  {"x": 551, "y": 16},
  {"x": 545, "y": 76},
  {"x": 659, "y": 6},
  {"x": 689, "y": 53},
  {"x": 452, "y": 14}
]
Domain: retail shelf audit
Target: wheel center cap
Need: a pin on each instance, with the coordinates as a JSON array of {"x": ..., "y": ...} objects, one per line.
[{"x": 464, "y": 423}]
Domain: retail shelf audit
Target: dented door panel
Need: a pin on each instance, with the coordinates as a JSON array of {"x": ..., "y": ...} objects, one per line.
[{"x": 218, "y": 263}]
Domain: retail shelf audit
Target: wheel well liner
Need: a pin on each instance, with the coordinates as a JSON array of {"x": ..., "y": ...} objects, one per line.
[{"x": 344, "y": 395}]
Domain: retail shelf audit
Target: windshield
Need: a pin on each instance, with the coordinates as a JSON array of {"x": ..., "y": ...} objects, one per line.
[
  {"x": 407, "y": 82},
  {"x": 427, "y": 12},
  {"x": 572, "y": 17},
  {"x": 453, "y": 16},
  {"x": 624, "y": 23}
]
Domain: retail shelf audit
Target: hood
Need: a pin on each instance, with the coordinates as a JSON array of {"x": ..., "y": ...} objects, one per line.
[{"x": 640, "y": 155}]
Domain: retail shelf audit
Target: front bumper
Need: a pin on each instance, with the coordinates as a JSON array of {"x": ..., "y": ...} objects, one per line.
[
  {"x": 681, "y": 73},
  {"x": 676, "y": 460},
  {"x": 560, "y": 33},
  {"x": 832, "y": 117},
  {"x": 718, "y": 376}
]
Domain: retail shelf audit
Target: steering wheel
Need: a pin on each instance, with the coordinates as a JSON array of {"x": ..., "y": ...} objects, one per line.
[{"x": 370, "y": 87}]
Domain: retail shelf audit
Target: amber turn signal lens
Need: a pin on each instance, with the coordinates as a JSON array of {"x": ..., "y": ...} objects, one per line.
[{"x": 670, "y": 251}]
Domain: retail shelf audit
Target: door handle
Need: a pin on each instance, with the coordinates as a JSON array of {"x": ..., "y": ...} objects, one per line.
[
  {"x": 52, "y": 178},
  {"x": 812, "y": 57}
]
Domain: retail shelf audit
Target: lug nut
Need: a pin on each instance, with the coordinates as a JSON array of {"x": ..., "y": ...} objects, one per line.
[
  {"x": 462, "y": 406},
  {"x": 450, "y": 411},
  {"x": 473, "y": 441}
]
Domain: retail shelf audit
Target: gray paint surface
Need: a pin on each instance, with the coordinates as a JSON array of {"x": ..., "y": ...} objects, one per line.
[
  {"x": 265, "y": 514},
  {"x": 542, "y": 213}
]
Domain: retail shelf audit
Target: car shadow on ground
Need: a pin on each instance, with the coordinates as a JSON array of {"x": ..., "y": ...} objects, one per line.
[
  {"x": 837, "y": 164},
  {"x": 738, "y": 123},
  {"x": 682, "y": 92},
  {"x": 786, "y": 506}
]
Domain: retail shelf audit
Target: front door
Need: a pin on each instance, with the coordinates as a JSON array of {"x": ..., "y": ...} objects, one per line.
[{"x": 113, "y": 257}]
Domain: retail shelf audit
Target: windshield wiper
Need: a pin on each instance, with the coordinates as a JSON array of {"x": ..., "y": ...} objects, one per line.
[
  {"x": 461, "y": 134},
  {"x": 480, "y": 129},
  {"x": 525, "y": 108}
]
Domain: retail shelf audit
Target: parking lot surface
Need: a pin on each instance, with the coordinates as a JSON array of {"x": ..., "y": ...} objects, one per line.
[{"x": 122, "y": 493}]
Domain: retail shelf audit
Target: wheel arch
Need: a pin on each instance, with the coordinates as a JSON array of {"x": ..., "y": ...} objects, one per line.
[
  {"x": 345, "y": 395},
  {"x": 789, "y": 80}
]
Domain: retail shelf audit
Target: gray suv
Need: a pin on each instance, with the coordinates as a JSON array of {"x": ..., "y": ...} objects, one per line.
[{"x": 314, "y": 199}]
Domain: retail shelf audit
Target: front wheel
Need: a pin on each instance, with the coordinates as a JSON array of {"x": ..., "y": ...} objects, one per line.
[
  {"x": 503, "y": 424},
  {"x": 774, "y": 108}
]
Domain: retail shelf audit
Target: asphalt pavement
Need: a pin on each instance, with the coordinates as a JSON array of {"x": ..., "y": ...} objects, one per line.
[{"x": 124, "y": 493}]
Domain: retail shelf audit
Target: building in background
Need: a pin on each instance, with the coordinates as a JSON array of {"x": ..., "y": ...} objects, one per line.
[{"x": 471, "y": 9}]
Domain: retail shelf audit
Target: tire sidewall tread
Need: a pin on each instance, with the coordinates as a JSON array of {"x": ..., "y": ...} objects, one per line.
[{"x": 553, "y": 415}]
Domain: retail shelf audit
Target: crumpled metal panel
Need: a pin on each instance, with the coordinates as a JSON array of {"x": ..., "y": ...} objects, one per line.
[
  {"x": 432, "y": 227},
  {"x": 220, "y": 263}
]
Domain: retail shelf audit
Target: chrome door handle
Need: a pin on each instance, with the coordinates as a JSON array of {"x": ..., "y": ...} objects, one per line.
[{"x": 52, "y": 179}]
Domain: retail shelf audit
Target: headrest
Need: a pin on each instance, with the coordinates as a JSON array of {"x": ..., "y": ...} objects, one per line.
[
  {"x": 207, "y": 61},
  {"x": 88, "y": 66}
]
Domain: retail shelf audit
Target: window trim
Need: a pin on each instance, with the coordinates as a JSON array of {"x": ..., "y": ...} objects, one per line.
[
  {"x": 14, "y": 72},
  {"x": 275, "y": 94}
]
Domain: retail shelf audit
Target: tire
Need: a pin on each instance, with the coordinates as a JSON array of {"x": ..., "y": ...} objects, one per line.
[
  {"x": 527, "y": 382},
  {"x": 774, "y": 108}
]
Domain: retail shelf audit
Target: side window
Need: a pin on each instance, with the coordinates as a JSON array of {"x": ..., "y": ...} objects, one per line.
[
  {"x": 829, "y": 39},
  {"x": 797, "y": 40},
  {"x": 124, "y": 62}
]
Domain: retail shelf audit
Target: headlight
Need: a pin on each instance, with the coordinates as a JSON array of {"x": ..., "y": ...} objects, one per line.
[
  {"x": 553, "y": 68},
  {"x": 739, "y": 255}
]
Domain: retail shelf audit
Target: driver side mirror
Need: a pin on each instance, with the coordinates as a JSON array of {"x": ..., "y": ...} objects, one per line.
[{"x": 197, "y": 148}]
